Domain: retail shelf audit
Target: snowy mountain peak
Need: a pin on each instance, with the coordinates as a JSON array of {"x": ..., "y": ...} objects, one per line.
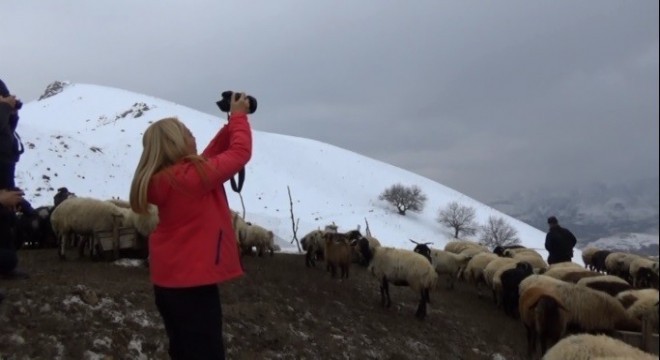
[
  {"x": 54, "y": 89},
  {"x": 88, "y": 138}
]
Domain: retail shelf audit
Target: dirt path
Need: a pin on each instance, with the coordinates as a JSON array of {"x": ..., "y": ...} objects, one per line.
[{"x": 280, "y": 310}]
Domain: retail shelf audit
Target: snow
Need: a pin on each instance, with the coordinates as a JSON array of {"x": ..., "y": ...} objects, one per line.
[
  {"x": 79, "y": 139},
  {"x": 629, "y": 241},
  {"x": 129, "y": 262}
]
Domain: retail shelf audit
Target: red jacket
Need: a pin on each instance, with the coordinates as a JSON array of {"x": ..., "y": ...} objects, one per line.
[{"x": 194, "y": 243}]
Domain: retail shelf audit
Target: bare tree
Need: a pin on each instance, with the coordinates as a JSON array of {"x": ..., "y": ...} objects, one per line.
[
  {"x": 497, "y": 232},
  {"x": 294, "y": 224},
  {"x": 460, "y": 218},
  {"x": 404, "y": 198}
]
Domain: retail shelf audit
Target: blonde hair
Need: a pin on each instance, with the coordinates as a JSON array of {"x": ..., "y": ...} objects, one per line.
[{"x": 163, "y": 145}]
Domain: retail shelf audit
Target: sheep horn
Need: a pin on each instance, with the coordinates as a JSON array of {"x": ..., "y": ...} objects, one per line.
[{"x": 415, "y": 242}]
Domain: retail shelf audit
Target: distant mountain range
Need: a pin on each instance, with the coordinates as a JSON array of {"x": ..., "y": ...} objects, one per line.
[{"x": 614, "y": 216}]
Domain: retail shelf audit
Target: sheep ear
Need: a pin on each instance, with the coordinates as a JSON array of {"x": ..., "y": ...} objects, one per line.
[{"x": 414, "y": 242}]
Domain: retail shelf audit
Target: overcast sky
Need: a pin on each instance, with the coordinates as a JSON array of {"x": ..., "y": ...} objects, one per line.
[{"x": 488, "y": 98}]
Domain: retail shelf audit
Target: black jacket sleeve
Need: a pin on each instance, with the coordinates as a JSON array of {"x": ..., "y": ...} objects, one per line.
[{"x": 6, "y": 133}]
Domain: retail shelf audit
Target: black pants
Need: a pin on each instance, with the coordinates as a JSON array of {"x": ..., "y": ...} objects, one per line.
[{"x": 193, "y": 321}]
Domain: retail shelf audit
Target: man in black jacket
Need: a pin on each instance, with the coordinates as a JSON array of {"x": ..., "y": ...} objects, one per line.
[
  {"x": 559, "y": 242},
  {"x": 10, "y": 150}
]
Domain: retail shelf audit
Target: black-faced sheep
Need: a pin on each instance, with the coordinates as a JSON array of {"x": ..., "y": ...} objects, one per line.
[
  {"x": 544, "y": 316},
  {"x": 34, "y": 227},
  {"x": 510, "y": 280},
  {"x": 586, "y": 346},
  {"x": 598, "y": 260},
  {"x": 313, "y": 245},
  {"x": 641, "y": 271},
  {"x": 401, "y": 268},
  {"x": 357, "y": 257},
  {"x": 609, "y": 284},
  {"x": 62, "y": 194},
  {"x": 338, "y": 251},
  {"x": 499, "y": 250},
  {"x": 587, "y": 256}
]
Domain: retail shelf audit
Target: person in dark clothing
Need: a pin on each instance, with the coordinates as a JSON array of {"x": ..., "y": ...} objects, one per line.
[
  {"x": 10, "y": 151},
  {"x": 559, "y": 242},
  {"x": 10, "y": 145}
]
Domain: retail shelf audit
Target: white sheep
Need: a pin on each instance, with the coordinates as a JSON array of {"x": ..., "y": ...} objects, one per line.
[
  {"x": 592, "y": 310},
  {"x": 609, "y": 284},
  {"x": 83, "y": 216},
  {"x": 260, "y": 238},
  {"x": 314, "y": 247},
  {"x": 459, "y": 245},
  {"x": 401, "y": 268},
  {"x": 447, "y": 263},
  {"x": 587, "y": 346},
  {"x": 641, "y": 304},
  {"x": 474, "y": 270}
]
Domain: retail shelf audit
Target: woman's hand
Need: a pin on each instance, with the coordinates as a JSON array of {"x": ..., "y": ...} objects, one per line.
[{"x": 240, "y": 105}]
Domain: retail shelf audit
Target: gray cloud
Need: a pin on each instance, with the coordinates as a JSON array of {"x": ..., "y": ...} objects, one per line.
[{"x": 486, "y": 98}]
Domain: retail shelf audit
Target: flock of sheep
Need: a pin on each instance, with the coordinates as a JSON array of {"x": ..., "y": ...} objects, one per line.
[
  {"x": 615, "y": 291},
  {"x": 552, "y": 301}
]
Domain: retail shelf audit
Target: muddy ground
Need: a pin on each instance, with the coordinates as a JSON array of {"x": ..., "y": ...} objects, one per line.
[{"x": 80, "y": 309}]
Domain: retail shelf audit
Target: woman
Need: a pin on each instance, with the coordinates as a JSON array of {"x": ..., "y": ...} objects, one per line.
[{"x": 193, "y": 248}]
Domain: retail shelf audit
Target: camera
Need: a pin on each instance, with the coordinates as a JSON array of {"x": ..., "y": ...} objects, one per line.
[{"x": 224, "y": 103}]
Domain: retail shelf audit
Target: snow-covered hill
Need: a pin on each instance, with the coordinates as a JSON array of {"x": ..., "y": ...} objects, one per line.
[{"x": 89, "y": 138}]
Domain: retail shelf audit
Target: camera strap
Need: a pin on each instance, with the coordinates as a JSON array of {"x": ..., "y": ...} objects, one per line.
[{"x": 241, "y": 179}]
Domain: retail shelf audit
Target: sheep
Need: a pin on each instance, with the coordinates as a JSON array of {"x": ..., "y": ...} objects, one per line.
[
  {"x": 575, "y": 276},
  {"x": 527, "y": 255},
  {"x": 444, "y": 262},
  {"x": 587, "y": 346},
  {"x": 62, "y": 194},
  {"x": 513, "y": 251},
  {"x": 120, "y": 203},
  {"x": 499, "y": 250},
  {"x": 493, "y": 269},
  {"x": 565, "y": 265},
  {"x": 313, "y": 245},
  {"x": 143, "y": 223},
  {"x": 357, "y": 258},
  {"x": 598, "y": 260},
  {"x": 338, "y": 251},
  {"x": 562, "y": 272},
  {"x": 538, "y": 280},
  {"x": 474, "y": 270},
  {"x": 35, "y": 227},
  {"x": 401, "y": 268},
  {"x": 510, "y": 282},
  {"x": 240, "y": 228},
  {"x": 587, "y": 255},
  {"x": 82, "y": 216},
  {"x": 640, "y": 304},
  {"x": 587, "y": 308},
  {"x": 459, "y": 245},
  {"x": 618, "y": 263},
  {"x": 545, "y": 317},
  {"x": 609, "y": 284},
  {"x": 260, "y": 238},
  {"x": 645, "y": 278}
]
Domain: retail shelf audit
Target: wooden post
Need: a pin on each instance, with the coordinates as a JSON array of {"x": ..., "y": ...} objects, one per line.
[
  {"x": 294, "y": 224},
  {"x": 646, "y": 334}
]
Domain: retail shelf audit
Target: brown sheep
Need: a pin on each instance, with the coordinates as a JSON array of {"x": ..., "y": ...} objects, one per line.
[{"x": 338, "y": 252}]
